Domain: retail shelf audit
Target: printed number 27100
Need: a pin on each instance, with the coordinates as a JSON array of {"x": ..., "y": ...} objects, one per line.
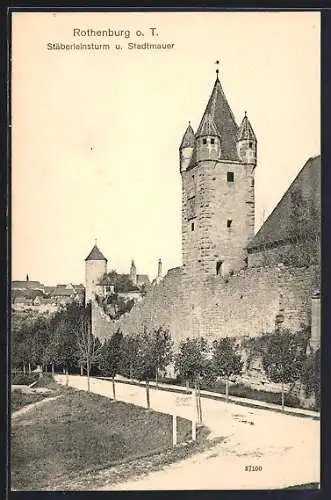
[{"x": 253, "y": 468}]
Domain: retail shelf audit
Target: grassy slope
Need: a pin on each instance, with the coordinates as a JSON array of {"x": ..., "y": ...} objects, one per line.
[
  {"x": 82, "y": 431},
  {"x": 20, "y": 399}
]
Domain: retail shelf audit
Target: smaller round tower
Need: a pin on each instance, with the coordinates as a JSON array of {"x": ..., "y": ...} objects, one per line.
[
  {"x": 208, "y": 141},
  {"x": 246, "y": 142},
  {"x": 95, "y": 268},
  {"x": 186, "y": 148}
]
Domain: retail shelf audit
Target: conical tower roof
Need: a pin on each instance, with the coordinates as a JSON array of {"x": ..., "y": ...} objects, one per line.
[
  {"x": 219, "y": 113},
  {"x": 188, "y": 138},
  {"x": 246, "y": 131},
  {"x": 207, "y": 126},
  {"x": 95, "y": 254},
  {"x": 219, "y": 109}
]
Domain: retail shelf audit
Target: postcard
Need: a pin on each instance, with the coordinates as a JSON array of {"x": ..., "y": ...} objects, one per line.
[{"x": 166, "y": 226}]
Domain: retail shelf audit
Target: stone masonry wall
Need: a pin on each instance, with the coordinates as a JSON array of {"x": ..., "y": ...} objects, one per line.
[
  {"x": 244, "y": 304},
  {"x": 209, "y": 200},
  {"x": 102, "y": 325}
]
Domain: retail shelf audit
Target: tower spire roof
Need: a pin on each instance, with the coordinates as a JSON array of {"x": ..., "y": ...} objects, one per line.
[
  {"x": 220, "y": 111},
  {"x": 246, "y": 131},
  {"x": 218, "y": 114},
  {"x": 188, "y": 138},
  {"x": 95, "y": 254}
]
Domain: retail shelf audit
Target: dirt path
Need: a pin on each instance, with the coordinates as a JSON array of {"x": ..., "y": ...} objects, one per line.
[
  {"x": 285, "y": 448},
  {"x": 29, "y": 407}
]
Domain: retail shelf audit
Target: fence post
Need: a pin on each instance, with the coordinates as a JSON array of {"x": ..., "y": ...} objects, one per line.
[
  {"x": 194, "y": 429},
  {"x": 174, "y": 430},
  {"x": 194, "y": 416},
  {"x": 114, "y": 390}
]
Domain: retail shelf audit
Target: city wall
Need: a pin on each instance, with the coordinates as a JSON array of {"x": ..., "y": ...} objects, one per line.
[{"x": 245, "y": 304}]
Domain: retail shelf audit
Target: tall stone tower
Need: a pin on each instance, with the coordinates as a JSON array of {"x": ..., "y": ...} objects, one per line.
[
  {"x": 217, "y": 166},
  {"x": 133, "y": 273},
  {"x": 95, "y": 268}
]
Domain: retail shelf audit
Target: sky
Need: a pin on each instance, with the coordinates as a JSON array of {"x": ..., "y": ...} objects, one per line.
[{"x": 95, "y": 134}]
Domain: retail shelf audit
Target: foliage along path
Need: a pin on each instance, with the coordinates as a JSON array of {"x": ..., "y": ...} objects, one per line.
[{"x": 285, "y": 448}]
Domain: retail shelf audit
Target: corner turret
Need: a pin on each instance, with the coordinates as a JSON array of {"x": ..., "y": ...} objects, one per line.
[
  {"x": 208, "y": 141},
  {"x": 246, "y": 142},
  {"x": 186, "y": 148}
]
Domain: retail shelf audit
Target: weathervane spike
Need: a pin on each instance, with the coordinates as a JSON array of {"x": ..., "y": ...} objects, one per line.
[{"x": 217, "y": 70}]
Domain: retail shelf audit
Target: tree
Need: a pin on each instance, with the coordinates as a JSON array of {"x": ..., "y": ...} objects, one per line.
[
  {"x": 111, "y": 354},
  {"x": 145, "y": 363},
  {"x": 21, "y": 345},
  {"x": 283, "y": 357},
  {"x": 30, "y": 338},
  {"x": 89, "y": 346},
  {"x": 121, "y": 282},
  {"x": 129, "y": 348},
  {"x": 191, "y": 362},
  {"x": 226, "y": 361},
  {"x": 310, "y": 377},
  {"x": 63, "y": 348},
  {"x": 39, "y": 340},
  {"x": 162, "y": 345},
  {"x": 153, "y": 353}
]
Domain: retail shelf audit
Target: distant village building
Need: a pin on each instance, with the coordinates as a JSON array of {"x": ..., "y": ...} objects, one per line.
[
  {"x": 27, "y": 285},
  {"x": 40, "y": 298}
]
